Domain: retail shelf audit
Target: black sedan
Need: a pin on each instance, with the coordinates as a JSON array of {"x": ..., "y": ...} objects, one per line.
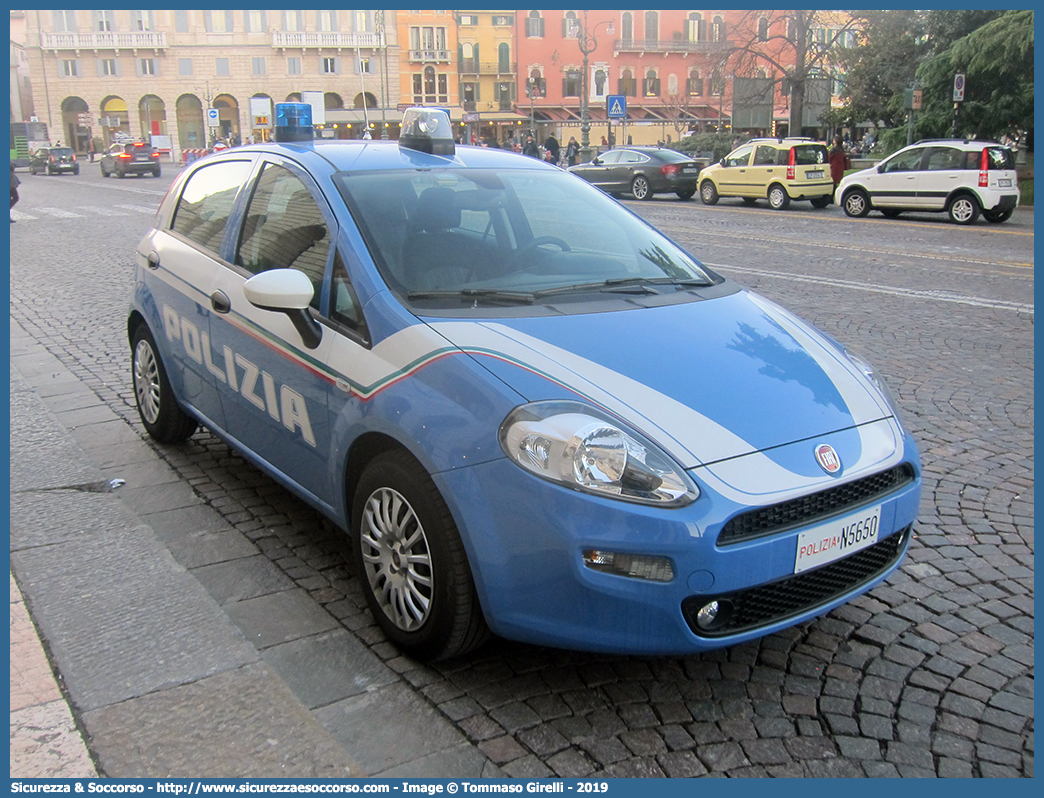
[
  {"x": 53, "y": 161},
  {"x": 642, "y": 172}
]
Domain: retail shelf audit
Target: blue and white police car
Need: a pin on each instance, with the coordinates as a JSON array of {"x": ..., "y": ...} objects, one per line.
[{"x": 534, "y": 414}]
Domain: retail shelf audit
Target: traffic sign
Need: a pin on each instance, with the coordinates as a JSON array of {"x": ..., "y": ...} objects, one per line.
[
  {"x": 958, "y": 87},
  {"x": 616, "y": 105},
  {"x": 212, "y": 117}
]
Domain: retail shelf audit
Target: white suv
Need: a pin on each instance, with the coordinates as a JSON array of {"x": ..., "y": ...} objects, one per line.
[{"x": 961, "y": 177}]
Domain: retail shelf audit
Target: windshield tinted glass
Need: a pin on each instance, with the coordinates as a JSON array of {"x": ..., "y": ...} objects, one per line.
[
  {"x": 522, "y": 231},
  {"x": 671, "y": 156},
  {"x": 60, "y": 152}
]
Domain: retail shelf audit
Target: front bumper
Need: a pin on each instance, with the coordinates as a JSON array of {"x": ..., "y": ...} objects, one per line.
[{"x": 525, "y": 539}]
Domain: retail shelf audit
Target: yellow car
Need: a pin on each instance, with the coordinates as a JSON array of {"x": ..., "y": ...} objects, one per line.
[{"x": 779, "y": 170}]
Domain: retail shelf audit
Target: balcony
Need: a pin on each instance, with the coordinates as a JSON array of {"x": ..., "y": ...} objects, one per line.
[
  {"x": 109, "y": 40},
  {"x": 470, "y": 66},
  {"x": 671, "y": 46},
  {"x": 430, "y": 56},
  {"x": 304, "y": 40}
]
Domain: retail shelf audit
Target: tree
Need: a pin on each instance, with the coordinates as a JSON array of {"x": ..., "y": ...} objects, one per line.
[
  {"x": 997, "y": 60},
  {"x": 884, "y": 64},
  {"x": 792, "y": 48}
]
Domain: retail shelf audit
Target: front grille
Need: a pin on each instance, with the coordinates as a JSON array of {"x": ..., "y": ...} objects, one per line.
[
  {"x": 766, "y": 604},
  {"x": 814, "y": 507}
]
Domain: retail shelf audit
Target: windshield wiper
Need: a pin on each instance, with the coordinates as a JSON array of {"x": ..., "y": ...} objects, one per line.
[
  {"x": 476, "y": 295},
  {"x": 636, "y": 285}
]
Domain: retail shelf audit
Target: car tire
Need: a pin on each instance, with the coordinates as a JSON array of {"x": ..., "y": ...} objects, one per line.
[
  {"x": 856, "y": 203},
  {"x": 708, "y": 193},
  {"x": 120, "y": 174},
  {"x": 414, "y": 569},
  {"x": 104, "y": 173},
  {"x": 890, "y": 213},
  {"x": 76, "y": 171},
  {"x": 820, "y": 202},
  {"x": 996, "y": 217},
  {"x": 157, "y": 172},
  {"x": 159, "y": 411},
  {"x": 963, "y": 209},
  {"x": 688, "y": 194},
  {"x": 778, "y": 198},
  {"x": 640, "y": 188}
]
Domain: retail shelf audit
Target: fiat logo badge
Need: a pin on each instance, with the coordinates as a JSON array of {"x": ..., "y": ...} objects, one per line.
[{"x": 827, "y": 458}]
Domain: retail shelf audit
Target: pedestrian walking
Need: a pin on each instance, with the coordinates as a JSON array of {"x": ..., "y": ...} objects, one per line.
[
  {"x": 572, "y": 151},
  {"x": 91, "y": 150},
  {"x": 553, "y": 147},
  {"x": 15, "y": 183},
  {"x": 839, "y": 160},
  {"x": 531, "y": 149}
]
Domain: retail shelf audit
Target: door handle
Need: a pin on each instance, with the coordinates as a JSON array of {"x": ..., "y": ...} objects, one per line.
[
  {"x": 220, "y": 302},
  {"x": 154, "y": 260}
]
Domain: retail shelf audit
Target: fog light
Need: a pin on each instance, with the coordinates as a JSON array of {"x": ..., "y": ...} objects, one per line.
[
  {"x": 707, "y": 615},
  {"x": 635, "y": 566}
]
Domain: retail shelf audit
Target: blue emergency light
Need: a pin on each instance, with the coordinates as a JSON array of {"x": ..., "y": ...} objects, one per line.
[
  {"x": 293, "y": 122},
  {"x": 427, "y": 130}
]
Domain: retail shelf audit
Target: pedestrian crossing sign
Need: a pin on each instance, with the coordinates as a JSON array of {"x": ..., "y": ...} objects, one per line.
[{"x": 616, "y": 105}]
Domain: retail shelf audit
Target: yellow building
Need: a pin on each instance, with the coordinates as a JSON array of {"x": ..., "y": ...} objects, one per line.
[{"x": 134, "y": 74}]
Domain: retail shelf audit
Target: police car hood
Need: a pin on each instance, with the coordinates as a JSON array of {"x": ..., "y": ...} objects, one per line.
[{"x": 707, "y": 380}]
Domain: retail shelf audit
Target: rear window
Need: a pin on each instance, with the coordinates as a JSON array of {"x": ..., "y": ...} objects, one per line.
[
  {"x": 672, "y": 156},
  {"x": 998, "y": 159},
  {"x": 130, "y": 149},
  {"x": 806, "y": 154},
  {"x": 61, "y": 152}
]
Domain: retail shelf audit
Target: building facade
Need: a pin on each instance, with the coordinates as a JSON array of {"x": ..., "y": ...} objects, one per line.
[{"x": 188, "y": 77}]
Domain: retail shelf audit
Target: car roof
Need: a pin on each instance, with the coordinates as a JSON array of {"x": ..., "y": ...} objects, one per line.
[
  {"x": 975, "y": 143},
  {"x": 371, "y": 154}
]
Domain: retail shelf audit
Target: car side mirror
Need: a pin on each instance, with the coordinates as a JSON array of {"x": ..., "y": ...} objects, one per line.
[
  {"x": 722, "y": 162},
  {"x": 880, "y": 168},
  {"x": 596, "y": 161},
  {"x": 286, "y": 291}
]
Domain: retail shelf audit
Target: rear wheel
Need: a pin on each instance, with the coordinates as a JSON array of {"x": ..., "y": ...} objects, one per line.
[
  {"x": 640, "y": 188},
  {"x": 104, "y": 173},
  {"x": 120, "y": 174},
  {"x": 996, "y": 217},
  {"x": 963, "y": 209},
  {"x": 156, "y": 172},
  {"x": 415, "y": 572},
  {"x": 855, "y": 203},
  {"x": 778, "y": 197},
  {"x": 164, "y": 420},
  {"x": 708, "y": 193}
]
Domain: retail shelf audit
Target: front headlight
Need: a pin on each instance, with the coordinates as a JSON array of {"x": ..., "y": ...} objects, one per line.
[
  {"x": 877, "y": 381},
  {"x": 581, "y": 447}
]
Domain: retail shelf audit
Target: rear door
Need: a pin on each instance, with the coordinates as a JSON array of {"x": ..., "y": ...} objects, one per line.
[
  {"x": 183, "y": 262},
  {"x": 942, "y": 172},
  {"x": 763, "y": 170},
  {"x": 810, "y": 167}
]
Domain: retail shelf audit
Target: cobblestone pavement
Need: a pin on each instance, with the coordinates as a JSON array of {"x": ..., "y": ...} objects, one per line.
[{"x": 931, "y": 674}]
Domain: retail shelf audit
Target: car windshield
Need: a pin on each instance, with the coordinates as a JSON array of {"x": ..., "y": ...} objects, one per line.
[{"x": 510, "y": 236}]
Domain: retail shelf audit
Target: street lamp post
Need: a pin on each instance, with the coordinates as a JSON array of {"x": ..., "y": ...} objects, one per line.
[
  {"x": 586, "y": 41},
  {"x": 384, "y": 78}
]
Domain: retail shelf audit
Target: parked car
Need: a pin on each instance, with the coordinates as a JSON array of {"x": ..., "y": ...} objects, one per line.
[
  {"x": 53, "y": 161},
  {"x": 779, "y": 170},
  {"x": 132, "y": 158},
  {"x": 960, "y": 177},
  {"x": 642, "y": 172},
  {"x": 533, "y": 413}
]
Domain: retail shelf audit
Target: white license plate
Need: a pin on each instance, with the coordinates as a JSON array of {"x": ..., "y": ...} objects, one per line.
[
  {"x": 1004, "y": 183},
  {"x": 814, "y": 175},
  {"x": 837, "y": 538},
  {"x": 689, "y": 170}
]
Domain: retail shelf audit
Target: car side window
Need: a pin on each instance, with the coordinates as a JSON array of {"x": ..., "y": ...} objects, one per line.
[
  {"x": 765, "y": 156},
  {"x": 944, "y": 159},
  {"x": 905, "y": 162},
  {"x": 206, "y": 202},
  {"x": 284, "y": 229},
  {"x": 613, "y": 156},
  {"x": 739, "y": 157},
  {"x": 344, "y": 305}
]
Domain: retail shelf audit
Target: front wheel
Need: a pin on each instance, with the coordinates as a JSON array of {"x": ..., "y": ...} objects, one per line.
[
  {"x": 164, "y": 420},
  {"x": 963, "y": 209},
  {"x": 415, "y": 571},
  {"x": 996, "y": 217},
  {"x": 640, "y": 188},
  {"x": 778, "y": 198},
  {"x": 708, "y": 193},
  {"x": 856, "y": 203}
]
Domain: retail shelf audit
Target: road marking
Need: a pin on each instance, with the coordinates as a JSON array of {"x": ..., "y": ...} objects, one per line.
[
  {"x": 18, "y": 216},
  {"x": 102, "y": 211},
  {"x": 139, "y": 208},
  {"x": 933, "y": 296},
  {"x": 60, "y": 213}
]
